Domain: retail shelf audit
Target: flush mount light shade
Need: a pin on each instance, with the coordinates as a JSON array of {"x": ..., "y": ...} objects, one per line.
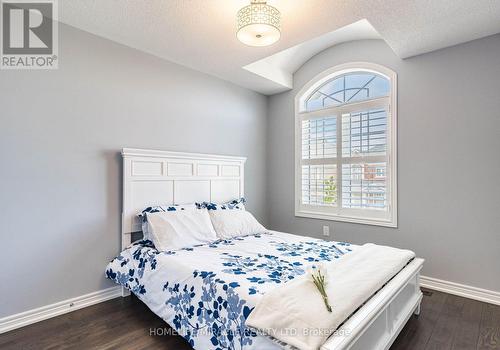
[{"x": 258, "y": 24}]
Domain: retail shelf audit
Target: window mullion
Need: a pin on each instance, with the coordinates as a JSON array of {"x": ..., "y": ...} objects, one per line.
[
  {"x": 339, "y": 160},
  {"x": 380, "y": 102}
]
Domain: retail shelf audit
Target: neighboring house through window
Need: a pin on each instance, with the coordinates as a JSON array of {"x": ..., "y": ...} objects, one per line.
[{"x": 346, "y": 146}]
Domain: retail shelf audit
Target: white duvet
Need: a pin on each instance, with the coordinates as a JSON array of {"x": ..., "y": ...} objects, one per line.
[{"x": 207, "y": 292}]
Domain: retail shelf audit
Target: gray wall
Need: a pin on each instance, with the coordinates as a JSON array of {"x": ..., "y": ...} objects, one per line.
[
  {"x": 449, "y": 163},
  {"x": 60, "y": 172}
]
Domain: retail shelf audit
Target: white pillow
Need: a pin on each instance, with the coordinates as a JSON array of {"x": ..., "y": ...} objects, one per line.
[
  {"x": 173, "y": 230},
  {"x": 143, "y": 215},
  {"x": 234, "y": 223}
]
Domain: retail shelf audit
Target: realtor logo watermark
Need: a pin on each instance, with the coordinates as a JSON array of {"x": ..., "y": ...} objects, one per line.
[{"x": 29, "y": 34}]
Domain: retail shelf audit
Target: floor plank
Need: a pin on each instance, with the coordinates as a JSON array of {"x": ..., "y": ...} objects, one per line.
[
  {"x": 445, "y": 322},
  {"x": 467, "y": 332},
  {"x": 489, "y": 333},
  {"x": 445, "y": 328}
]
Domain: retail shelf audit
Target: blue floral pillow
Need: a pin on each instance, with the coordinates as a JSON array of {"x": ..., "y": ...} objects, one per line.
[{"x": 235, "y": 204}]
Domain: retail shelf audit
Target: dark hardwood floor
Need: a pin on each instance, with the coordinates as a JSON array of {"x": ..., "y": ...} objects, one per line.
[{"x": 445, "y": 322}]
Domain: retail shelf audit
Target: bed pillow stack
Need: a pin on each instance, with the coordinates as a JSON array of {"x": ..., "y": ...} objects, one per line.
[{"x": 181, "y": 226}]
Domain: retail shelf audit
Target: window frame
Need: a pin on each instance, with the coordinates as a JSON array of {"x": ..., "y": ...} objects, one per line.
[{"x": 387, "y": 219}]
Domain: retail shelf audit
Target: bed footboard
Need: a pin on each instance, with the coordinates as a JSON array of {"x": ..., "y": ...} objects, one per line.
[{"x": 377, "y": 324}]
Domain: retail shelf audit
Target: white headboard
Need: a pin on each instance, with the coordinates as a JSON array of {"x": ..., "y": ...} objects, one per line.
[{"x": 153, "y": 177}]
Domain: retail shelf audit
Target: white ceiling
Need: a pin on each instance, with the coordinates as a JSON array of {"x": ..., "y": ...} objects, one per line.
[{"x": 201, "y": 33}]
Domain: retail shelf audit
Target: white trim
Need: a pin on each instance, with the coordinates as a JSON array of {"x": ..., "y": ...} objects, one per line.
[
  {"x": 136, "y": 152},
  {"x": 484, "y": 295},
  {"x": 345, "y": 218},
  {"x": 48, "y": 311},
  {"x": 391, "y": 218}
]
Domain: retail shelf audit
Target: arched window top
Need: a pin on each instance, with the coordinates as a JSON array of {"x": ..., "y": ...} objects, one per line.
[
  {"x": 348, "y": 88},
  {"x": 345, "y": 84}
]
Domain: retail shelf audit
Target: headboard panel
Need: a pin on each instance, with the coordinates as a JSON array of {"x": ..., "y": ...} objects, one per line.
[{"x": 152, "y": 177}]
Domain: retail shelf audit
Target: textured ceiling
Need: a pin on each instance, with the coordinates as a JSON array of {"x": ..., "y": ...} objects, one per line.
[{"x": 201, "y": 33}]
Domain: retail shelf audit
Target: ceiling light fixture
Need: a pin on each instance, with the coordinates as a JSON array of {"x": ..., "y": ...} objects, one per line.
[{"x": 258, "y": 24}]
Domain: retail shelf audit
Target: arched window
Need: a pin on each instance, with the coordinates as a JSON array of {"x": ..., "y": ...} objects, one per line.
[{"x": 346, "y": 145}]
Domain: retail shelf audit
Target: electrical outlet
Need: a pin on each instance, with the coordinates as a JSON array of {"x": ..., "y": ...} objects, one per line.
[{"x": 326, "y": 230}]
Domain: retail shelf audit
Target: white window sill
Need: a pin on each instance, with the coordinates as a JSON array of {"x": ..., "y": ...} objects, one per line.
[{"x": 356, "y": 220}]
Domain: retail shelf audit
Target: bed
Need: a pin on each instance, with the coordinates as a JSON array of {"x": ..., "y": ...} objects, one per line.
[{"x": 206, "y": 292}]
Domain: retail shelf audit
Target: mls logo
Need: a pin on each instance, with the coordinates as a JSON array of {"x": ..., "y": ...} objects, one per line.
[{"x": 29, "y": 34}]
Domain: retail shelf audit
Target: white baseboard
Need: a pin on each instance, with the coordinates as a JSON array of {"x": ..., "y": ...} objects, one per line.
[
  {"x": 488, "y": 296},
  {"x": 42, "y": 313}
]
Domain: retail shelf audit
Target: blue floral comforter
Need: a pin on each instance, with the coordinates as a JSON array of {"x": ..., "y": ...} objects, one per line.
[{"x": 206, "y": 292}]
